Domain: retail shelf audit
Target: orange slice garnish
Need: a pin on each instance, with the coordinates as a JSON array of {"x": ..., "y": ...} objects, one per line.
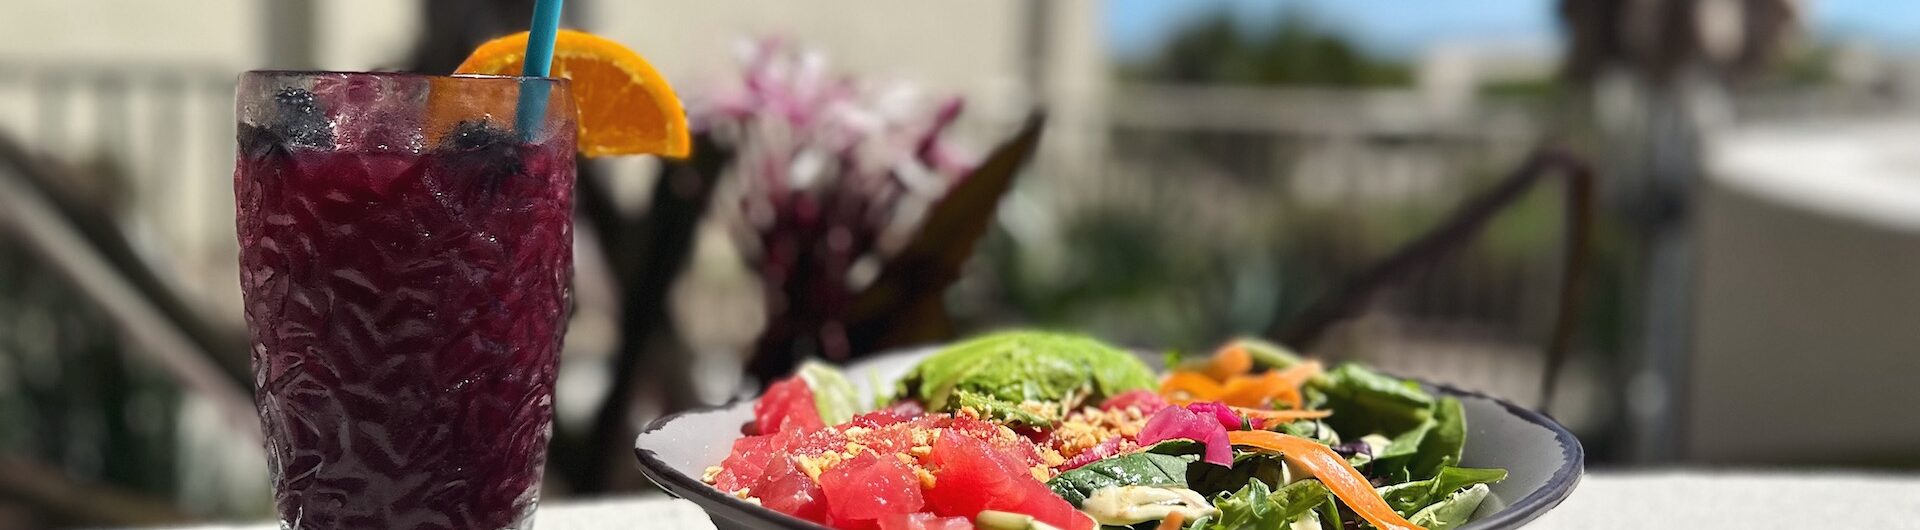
[{"x": 626, "y": 107}]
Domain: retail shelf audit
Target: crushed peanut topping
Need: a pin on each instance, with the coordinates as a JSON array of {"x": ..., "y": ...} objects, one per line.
[
  {"x": 1089, "y": 427},
  {"x": 1039, "y": 408},
  {"x": 1051, "y": 457},
  {"x": 707, "y": 475}
]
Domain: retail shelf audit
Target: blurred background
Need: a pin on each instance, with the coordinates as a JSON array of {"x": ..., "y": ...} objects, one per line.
[{"x": 1737, "y": 290}]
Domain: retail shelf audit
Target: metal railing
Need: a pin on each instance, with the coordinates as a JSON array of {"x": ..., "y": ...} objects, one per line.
[{"x": 155, "y": 143}]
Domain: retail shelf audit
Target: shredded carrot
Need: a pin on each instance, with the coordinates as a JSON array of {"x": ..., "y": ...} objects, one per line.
[
  {"x": 1189, "y": 386},
  {"x": 1333, "y": 471},
  {"x": 1252, "y": 390},
  {"x": 1291, "y": 398},
  {"x": 1232, "y": 360},
  {"x": 1283, "y": 415},
  {"x": 1171, "y": 522},
  {"x": 1298, "y": 374},
  {"x": 1261, "y": 390}
]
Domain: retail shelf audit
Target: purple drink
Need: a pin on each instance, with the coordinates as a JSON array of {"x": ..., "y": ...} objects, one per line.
[{"x": 405, "y": 263}]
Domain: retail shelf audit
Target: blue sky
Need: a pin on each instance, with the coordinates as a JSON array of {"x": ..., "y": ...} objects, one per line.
[{"x": 1402, "y": 27}]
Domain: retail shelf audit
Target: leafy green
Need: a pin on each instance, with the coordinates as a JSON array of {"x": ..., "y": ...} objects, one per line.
[
  {"x": 1443, "y": 442},
  {"x": 1311, "y": 430},
  {"x": 1452, "y": 511},
  {"x": 1409, "y": 497},
  {"x": 882, "y": 394},
  {"x": 1135, "y": 469},
  {"x": 1257, "y": 507},
  {"x": 1021, "y": 366},
  {"x": 833, "y": 395},
  {"x": 1424, "y": 450},
  {"x": 1298, "y": 498},
  {"x": 1178, "y": 447},
  {"x": 1270, "y": 355},
  {"x": 1401, "y": 450},
  {"x": 1330, "y": 514},
  {"x": 1264, "y": 467},
  {"x": 1366, "y": 401}
]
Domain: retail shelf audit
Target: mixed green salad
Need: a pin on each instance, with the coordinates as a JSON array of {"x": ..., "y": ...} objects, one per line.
[{"x": 1024, "y": 430}]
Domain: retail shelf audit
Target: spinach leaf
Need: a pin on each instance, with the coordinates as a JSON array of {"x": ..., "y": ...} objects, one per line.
[
  {"x": 1452, "y": 511},
  {"x": 1400, "y": 451},
  {"x": 1311, "y": 430},
  {"x": 1369, "y": 402},
  {"x": 1263, "y": 467},
  {"x": 1298, "y": 498},
  {"x": 1246, "y": 508},
  {"x": 1135, "y": 469},
  {"x": 1330, "y": 514},
  {"x": 1442, "y": 444},
  {"x": 1179, "y": 447},
  {"x": 1257, "y": 507},
  {"x": 1409, "y": 497}
]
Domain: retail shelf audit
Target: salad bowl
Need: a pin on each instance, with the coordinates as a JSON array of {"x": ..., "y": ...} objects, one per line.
[{"x": 1543, "y": 460}]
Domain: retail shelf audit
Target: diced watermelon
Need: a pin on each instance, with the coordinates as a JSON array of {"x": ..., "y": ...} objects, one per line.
[
  {"x": 899, "y": 411},
  {"x": 788, "y": 404},
  {"x": 869, "y": 486},
  {"x": 789, "y": 491},
  {"x": 924, "y": 521},
  {"x": 746, "y": 466},
  {"x": 972, "y": 477}
]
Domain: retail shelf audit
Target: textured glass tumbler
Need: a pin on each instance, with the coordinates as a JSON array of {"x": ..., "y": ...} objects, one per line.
[{"x": 405, "y": 254}]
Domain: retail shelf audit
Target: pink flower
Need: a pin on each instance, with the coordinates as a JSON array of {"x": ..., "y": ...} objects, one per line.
[{"x": 1172, "y": 423}]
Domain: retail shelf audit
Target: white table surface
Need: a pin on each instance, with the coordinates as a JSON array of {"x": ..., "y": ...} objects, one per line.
[{"x": 1608, "y": 500}]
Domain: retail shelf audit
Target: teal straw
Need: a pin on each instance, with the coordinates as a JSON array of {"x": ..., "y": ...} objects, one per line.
[{"x": 539, "y": 63}]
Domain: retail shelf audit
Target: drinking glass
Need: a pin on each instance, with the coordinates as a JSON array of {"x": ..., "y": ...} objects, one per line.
[{"x": 405, "y": 254}]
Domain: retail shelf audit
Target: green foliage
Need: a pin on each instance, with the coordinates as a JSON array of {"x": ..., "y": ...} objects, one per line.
[{"x": 1294, "y": 49}]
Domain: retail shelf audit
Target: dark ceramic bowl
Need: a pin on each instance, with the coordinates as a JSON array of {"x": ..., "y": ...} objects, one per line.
[{"x": 1544, "y": 461}]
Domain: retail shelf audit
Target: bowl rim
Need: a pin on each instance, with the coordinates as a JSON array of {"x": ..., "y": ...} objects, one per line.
[{"x": 1541, "y": 500}]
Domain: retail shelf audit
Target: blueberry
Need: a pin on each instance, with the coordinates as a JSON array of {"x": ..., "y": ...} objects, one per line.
[
  {"x": 257, "y": 142},
  {"x": 484, "y": 155},
  {"x": 299, "y": 121},
  {"x": 475, "y": 135}
]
